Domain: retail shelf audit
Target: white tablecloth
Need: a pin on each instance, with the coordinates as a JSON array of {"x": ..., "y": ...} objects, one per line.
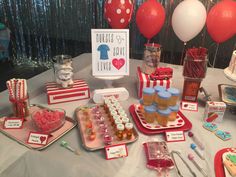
[{"x": 19, "y": 161}]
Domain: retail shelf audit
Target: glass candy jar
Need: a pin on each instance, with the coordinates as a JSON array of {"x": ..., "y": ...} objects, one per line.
[
  {"x": 194, "y": 70},
  {"x": 63, "y": 70},
  {"x": 151, "y": 57}
]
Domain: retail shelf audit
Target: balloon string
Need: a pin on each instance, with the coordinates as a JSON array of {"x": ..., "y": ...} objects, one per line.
[
  {"x": 148, "y": 41},
  {"x": 182, "y": 55},
  {"x": 214, "y": 61}
]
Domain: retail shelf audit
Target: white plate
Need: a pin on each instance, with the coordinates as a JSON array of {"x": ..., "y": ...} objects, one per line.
[{"x": 179, "y": 122}]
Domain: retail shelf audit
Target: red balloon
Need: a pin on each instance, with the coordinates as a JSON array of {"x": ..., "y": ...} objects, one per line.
[
  {"x": 118, "y": 13},
  {"x": 221, "y": 21},
  {"x": 150, "y": 18}
]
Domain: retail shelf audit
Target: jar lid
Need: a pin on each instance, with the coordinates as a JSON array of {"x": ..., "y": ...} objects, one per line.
[
  {"x": 154, "y": 104},
  {"x": 125, "y": 120},
  {"x": 113, "y": 113},
  {"x": 123, "y": 114},
  {"x": 107, "y": 101},
  {"x": 111, "y": 109},
  {"x": 62, "y": 59},
  {"x": 174, "y": 108},
  {"x": 164, "y": 94},
  {"x": 118, "y": 107},
  {"x": 116, "y": 104},
  {"x": 141, "y": 101},
  {"x": 118, "y": 121},
  {"x": 148, "y": 90},
  {"x": 121, "y": 111},
  {"x": 120, "y": 127},
  {"x": 173, "y": 91},
  {"x": 159, "y": 88},
  {"x": 129, "y": 126},
  {"x": 152, "y": 45},
  {"x": 150, "y": 108},
  {"x": 164, "y": 112},
  {"x": 116, "y": 117}
]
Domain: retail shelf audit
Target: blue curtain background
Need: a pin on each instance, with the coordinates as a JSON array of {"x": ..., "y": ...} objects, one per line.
[{"x": 41, "y": 29}]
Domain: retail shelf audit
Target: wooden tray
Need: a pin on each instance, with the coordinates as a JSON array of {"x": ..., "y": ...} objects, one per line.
[
  {"x": 187, "y": 126},
  {"x": 98, "y": 142},
  {"x": 21, "y": 135}
]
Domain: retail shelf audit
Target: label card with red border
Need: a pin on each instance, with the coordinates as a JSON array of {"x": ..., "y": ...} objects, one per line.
[
  {"x": 37, "y": 138},
  {"x": 13, "y": 123},
  {"x": 174, "y": 136},
  {"x": 189, "y": 106},
  {"x": 116, "y": 151}
]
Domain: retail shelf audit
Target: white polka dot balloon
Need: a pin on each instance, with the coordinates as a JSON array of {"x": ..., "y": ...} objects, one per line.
[{"x": 118, "y": 13}]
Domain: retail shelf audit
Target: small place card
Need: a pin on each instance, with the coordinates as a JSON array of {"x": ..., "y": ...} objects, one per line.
[
  {"x": 13, "y": 123},
  {"x": 174, "y": 136},
  {"x": 189, "y": 106},
  {"x": 37, "y": 138},
  {"x": 116, "y": 151}
]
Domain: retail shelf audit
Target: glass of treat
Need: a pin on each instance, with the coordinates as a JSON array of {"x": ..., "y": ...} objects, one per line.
[
  {"x": 157, "y": 90},
  {"x": 150, "y": 113},
  {"x": 174, "y": 95},
  {"x": 129, "y": 130},
  {"x": 151, "y": 57},
  {"x": 117, "y": 121},
  {"x": 148, "y": 96},
  {"x": 63, "y": 70},
  {"x": 163, "y": 116},
  {"x": 120, "y": 131},
  {"x": 163, "y": 99},
  {"x": 174, "y": 111}
]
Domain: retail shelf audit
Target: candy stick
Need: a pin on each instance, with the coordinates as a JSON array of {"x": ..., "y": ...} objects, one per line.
[
  {"x": 10, "y": 89},
  {"x": 18, "y": 89},
  {"x": 23, "y": 88},
  {"x": 15, "y": 87}
]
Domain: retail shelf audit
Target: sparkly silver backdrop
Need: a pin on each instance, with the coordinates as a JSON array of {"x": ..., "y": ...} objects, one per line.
[{"x": 41, "y": 29}]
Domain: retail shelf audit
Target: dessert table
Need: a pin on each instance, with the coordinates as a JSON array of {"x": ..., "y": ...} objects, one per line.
[{"x": 18, "y": 160}]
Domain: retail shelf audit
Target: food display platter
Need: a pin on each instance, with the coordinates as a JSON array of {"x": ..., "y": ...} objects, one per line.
[
  {"x": 97, "y": 144},
  {"x": 185, "y": 126},
  {"x": 179, "y": 122},
  {"x": 21, "y": 135}
]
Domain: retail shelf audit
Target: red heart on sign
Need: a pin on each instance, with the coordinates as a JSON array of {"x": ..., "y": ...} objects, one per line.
[
  {"x": 42, "y": 138},
  {"x": 118, "y": 63}
]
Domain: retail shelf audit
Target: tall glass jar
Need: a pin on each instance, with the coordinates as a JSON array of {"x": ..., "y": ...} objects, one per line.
[
  {"x": 151, "y": 57},
  {"x": 194, "y": 70},
  {"x": 63, "y": 70}
]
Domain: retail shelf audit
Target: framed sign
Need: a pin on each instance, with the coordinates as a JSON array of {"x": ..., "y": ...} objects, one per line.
[{"x": 110, "y": 52}]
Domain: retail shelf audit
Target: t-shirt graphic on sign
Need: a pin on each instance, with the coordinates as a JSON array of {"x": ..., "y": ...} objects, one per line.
[{"x": 103, "y": 48}]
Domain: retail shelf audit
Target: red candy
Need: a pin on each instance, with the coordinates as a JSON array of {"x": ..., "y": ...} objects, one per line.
[{"x": 47, "y": 121}]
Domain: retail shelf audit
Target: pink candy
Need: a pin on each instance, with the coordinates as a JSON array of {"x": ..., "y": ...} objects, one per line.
[{"x": 47, "y": 121}]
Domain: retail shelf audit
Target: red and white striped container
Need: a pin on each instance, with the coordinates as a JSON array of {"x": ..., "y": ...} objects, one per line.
[
  {"x": 144, "y": 81},
  {"x": 55, "y": 94}
]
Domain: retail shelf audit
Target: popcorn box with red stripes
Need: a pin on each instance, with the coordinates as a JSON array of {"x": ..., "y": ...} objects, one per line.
[
  {"x": 55, "y": 94},
  {"x": 145, "y": 81}
]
